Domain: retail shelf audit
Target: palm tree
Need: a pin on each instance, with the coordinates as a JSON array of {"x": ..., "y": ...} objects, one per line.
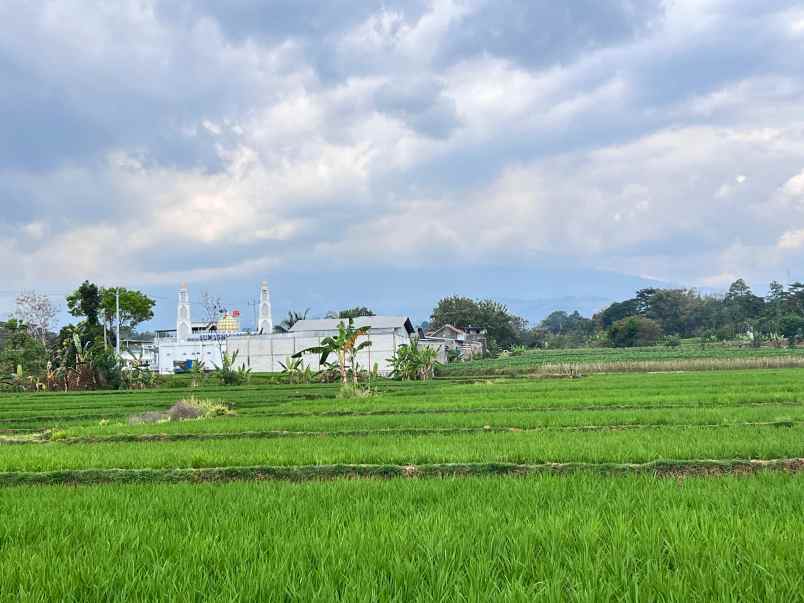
[{"x": 292, "y": 319}]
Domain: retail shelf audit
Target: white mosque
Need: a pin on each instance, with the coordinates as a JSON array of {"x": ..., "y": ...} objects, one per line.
[{"x": 263, "y": 350}]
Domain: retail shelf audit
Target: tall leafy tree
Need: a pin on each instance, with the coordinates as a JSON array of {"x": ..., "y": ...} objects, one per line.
[
  {"x": 775, "y": 302},
  {"x": 135, "y": 308},
  {"x": 457, "y": 311},
  {"x": 617, "y": 311},
  {"x": 85, "y": 302},
  {"x": 503, "y": 329},
  {"x": 742, "y": 304},
  {"x": 795, "y": 298}
]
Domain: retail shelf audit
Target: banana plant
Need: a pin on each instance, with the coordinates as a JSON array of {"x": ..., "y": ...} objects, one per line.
[
  {"x": 292, "y": 369},
  {"x": 345, "y": 346},
  {"x": 411, "y": 362}
]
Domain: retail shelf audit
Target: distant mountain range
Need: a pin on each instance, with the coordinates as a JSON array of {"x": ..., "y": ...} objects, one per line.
[{"x": 530, "y": 292}]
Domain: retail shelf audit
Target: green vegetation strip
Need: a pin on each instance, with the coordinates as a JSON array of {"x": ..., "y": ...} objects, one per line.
[
  {"x": 32, "y": 421},
  {"x": 662, "y": 468},
  {"x": 610, "y": 446},
  {"x": 534, "y": 409},
  {"x": 267, "y": 434}
]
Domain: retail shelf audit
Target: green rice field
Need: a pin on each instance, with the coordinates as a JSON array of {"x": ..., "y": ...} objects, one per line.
[
  {"x": 690, "y": 356},
  {"x": 642, "y": 486}
]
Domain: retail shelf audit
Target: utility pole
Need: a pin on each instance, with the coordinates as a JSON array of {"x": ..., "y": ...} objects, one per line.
[
  {"x": 117, "y": 318},
  {"x": 254, "y": 304}
]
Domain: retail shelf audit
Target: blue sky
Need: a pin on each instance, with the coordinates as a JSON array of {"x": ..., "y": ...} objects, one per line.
[{"x": 149, "y": 142}]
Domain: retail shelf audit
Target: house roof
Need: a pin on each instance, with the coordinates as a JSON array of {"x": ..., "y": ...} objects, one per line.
[
  {"x": 455, "y": 330},
  {"x": 375, "y": 322}
]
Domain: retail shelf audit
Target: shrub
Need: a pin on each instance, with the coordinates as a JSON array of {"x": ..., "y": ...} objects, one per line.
[
  {"x": 411, "y": 362},
  {"x": 194, "y": 408},
  {"x": 229, "y": 374},
  {"x": 183, "y": 410}
]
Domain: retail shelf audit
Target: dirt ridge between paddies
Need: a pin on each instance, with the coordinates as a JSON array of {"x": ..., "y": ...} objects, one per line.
[
  {"x": 530, "y": 408},
  {"x": 659, "y": 468},
  {"x": 282, "y": 433}
]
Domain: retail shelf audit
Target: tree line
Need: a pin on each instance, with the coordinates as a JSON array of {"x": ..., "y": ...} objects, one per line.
[
  {"x": 81, "y": 355},
  {"x": 651, "y": 316}
]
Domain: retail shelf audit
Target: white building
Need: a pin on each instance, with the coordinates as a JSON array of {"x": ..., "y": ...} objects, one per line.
[
  {"x": 192, "y": 342},
  {"x": 263, "y": 353}
]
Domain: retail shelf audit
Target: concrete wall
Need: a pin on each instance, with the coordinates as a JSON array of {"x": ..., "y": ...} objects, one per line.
[
  {"x": 208, "y": 351},
  {"x": 263, "y": 353}
]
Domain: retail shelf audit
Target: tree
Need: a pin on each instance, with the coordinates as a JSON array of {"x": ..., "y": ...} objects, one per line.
[
  {"x": 742, "y": 304},
  {"x": 456, "y": 311},
  {"x": 37, "y": 313},
  {"x": 795, "y": 298},
  {"x": 775, "y": 303},
  {"x": 559, "y": 322},
  {"x": 135, "y": 308},
  {"x": 85, "y": 302},
  {"x": 355, "y": 312},
  {"x": 676, "y": 310},
  {"x": 213, "y": 307},
  {"x": 634, "y": 331},
  {"x": 502, "y": 328},
  {"x": 792, "y": 326},
  {"x": 292, "y": 319},
  {"x": 617, "y": 311},
  {"x": 21, "y": 349}
]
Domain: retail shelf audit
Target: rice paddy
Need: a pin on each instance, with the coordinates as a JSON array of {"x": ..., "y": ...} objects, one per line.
[
  {"x": 687, "y": 357},
  {"x": 635, "y": 486}
]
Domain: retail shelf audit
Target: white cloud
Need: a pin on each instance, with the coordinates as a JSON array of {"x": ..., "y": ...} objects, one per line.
[
  {"x": 792, "y": 239},
  {"x": 794, "y": 188},
  {"x": 209, "y": 153}
]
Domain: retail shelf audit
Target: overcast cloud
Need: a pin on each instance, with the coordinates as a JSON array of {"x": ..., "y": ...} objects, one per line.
[{"x": 169, "y": 140}]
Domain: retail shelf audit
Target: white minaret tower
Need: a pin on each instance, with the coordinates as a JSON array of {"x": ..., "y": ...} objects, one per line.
[
  {"x": 184, "y": 327},
  {"x": 265, "y": 325}
]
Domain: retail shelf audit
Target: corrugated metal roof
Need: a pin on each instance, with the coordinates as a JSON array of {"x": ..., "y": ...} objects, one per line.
[{"x": 375, "y": 322}]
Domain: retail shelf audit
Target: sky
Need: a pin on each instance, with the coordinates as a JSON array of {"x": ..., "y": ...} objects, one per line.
[{"x": 149, "y": 142}]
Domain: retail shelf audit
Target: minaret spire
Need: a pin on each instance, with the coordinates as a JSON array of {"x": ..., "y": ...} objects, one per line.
[
  {"x": 265, "y": 325},
  {"x": 184, "y": 326}
]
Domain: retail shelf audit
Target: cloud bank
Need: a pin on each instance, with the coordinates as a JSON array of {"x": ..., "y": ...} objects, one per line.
[{"x": 163, "y": 140}]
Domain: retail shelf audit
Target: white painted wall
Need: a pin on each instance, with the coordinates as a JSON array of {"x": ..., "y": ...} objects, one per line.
[
  {"x": 263, "y": 353},
  {"x": 208, "y": 351}
]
